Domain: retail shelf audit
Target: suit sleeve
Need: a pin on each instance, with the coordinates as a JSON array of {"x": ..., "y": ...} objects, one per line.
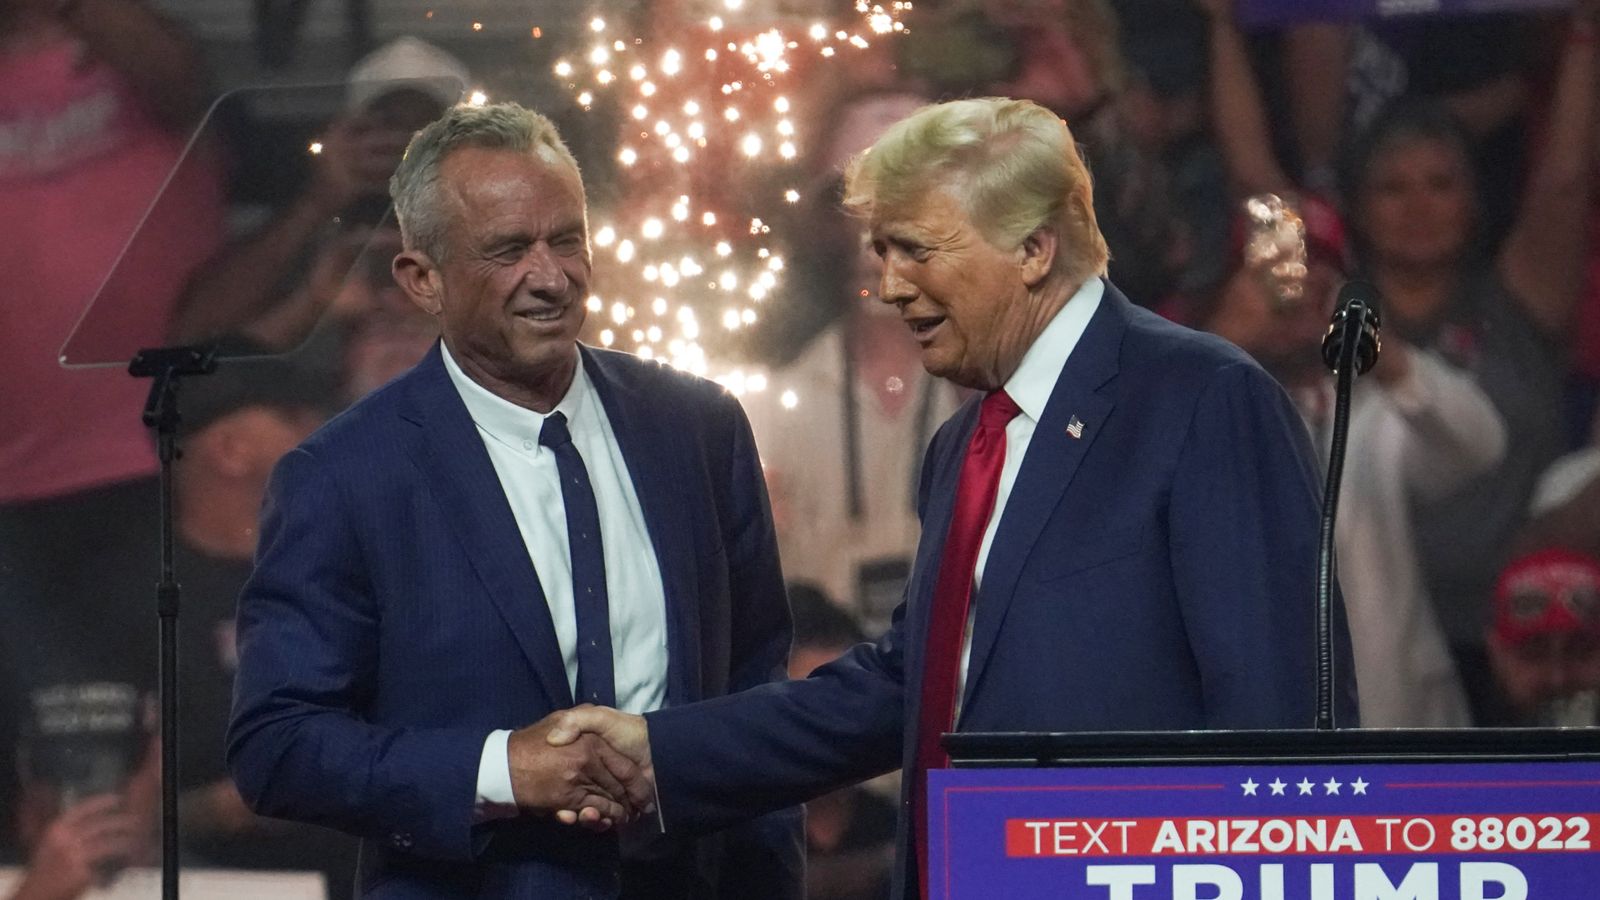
[
  {"x": 761, "y": 624},
  {"x": 785, "y": 742},
  {"x": 764, "y": 857},
  {"x": 782, "y": 743},
  {"x": 1244, "y": 521},
  {"x": 308, "y": 630}
]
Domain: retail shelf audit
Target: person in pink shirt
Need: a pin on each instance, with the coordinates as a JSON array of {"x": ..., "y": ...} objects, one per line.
[{"x": 97, "y": 99}]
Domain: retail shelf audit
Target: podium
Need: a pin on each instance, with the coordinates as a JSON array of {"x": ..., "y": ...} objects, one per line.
[{"x": 1507, "y": 814}]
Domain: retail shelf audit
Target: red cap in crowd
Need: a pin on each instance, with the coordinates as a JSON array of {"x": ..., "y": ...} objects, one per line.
[{"x": 1551, "y": 591}]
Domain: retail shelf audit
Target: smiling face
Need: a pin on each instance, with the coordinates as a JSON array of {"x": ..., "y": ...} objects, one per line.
[
  {"x": 509, "y": 294},
  {"x": 970, "y": 304},
  {"x": 1417, "y": 204}
]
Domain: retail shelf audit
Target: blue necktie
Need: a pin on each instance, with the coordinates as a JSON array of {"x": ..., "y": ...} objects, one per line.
[{"x": 596, "y": 682}]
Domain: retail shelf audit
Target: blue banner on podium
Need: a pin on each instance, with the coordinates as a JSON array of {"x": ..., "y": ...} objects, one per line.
[{"x": 1267, "y": 831}]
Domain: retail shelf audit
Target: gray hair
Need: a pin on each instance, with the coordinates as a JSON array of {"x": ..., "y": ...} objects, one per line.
[
  {"x": 1012, "y": 164},
  {"x": 499, "y": 126}
]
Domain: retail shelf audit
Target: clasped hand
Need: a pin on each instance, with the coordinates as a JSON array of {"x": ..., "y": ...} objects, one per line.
[{"x": 587, "y": 766}]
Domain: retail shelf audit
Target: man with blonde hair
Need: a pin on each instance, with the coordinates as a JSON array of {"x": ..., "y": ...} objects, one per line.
[
  {"x": 518, "y": 523},
  {"x": 1119, "y": 530}
]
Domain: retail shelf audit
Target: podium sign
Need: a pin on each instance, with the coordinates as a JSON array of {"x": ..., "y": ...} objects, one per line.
[{"x": 1357, "y": 830}]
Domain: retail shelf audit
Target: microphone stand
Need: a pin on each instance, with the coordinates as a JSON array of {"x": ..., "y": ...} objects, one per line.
[
  {"x": 167, "y": 366},
  {"x": 1350, "y": 348}
]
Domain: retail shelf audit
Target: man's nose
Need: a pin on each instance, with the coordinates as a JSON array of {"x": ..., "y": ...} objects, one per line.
[
  {"x": 893, "y": 288},
  {"x": 544, "y": 275}
]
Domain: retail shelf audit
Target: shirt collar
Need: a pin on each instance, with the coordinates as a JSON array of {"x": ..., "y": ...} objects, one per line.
[
  {"x": 513, "y": 425},
  {"x": 1031, "y": 385}
]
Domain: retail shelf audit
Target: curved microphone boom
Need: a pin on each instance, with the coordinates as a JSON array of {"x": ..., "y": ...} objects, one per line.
[{"x": 1350, "y": 348}]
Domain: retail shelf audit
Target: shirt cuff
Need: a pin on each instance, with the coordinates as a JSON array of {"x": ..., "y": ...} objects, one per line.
[
  {"x": 496, "y": 799},
  {"x": 659, "y": 820}
]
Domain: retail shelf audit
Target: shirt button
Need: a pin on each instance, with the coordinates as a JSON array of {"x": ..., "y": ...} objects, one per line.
[{"x": 527, "y": 445}]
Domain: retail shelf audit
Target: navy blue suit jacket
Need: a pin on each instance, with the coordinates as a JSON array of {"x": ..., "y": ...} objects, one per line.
[
  {"x": 395, "y": 618},
  {"x": 1156, "y": 573}
]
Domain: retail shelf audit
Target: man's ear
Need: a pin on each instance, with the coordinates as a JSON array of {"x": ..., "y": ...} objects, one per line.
[
  {"x": 418, "y": 275},
  {"x": 1038, "y": 252}
]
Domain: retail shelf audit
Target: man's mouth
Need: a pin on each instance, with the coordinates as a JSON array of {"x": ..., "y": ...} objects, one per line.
[
  {"x": 549, "y": 313},
  {"x": 923, "y": 327}
]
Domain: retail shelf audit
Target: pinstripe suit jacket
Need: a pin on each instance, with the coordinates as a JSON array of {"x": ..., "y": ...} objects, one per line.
[{"x": 395, "y": 618}]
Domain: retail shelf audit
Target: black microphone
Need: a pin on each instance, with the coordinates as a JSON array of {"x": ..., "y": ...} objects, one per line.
[
  {"x": 1355, "y": 318},
  {"x": 1349, "y": 348}
]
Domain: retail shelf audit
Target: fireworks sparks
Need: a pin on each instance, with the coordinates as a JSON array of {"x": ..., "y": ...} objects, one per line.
[{"x": 707, "y": 129}]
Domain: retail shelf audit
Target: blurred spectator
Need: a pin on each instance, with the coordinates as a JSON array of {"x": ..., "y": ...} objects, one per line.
[
  {"x": 1505, "y": 317},
  {"x": 1544, "y": 641},
  {"x": 389, "y": 334},
  {"x": 1164, "y": 108},
  {"x": 96, "y": 99},
  {"x": 1065, "y": 56},
  {"x": 1418, "y": 429},
  {"x": 238, "y": 422},
  {"x": 1477, "y": 67},
  {"x": 79, "y": 832},
  {"x": 842, "y": 465},
  {"x": 850, "y": 832},
  {"x": 285, "y": 277}
]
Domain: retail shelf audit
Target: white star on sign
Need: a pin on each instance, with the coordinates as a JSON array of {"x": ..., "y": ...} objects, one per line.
[
  {"x": 1250, "y": 787},
  {"x": 1305, "y": 787},
  {"x": 1277, "y": 786},
  {"x": 1332, "y": 787},
  {"x": 1359, "y": 787}
]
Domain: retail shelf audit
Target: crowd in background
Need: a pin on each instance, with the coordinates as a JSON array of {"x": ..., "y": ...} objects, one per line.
[{"x": 1448, "y": 161}]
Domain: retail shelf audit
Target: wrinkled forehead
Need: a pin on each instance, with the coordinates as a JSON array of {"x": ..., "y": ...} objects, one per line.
[
  {"x": 934, "y": 210},
  {"x": 476, "y": 179}
]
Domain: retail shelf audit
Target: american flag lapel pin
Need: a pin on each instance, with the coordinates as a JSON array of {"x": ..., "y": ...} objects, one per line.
[{"x": 1075, "y": 428}]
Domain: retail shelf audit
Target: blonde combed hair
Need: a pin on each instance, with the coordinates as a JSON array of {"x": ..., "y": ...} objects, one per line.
[{"x": 1012, "y": 164}]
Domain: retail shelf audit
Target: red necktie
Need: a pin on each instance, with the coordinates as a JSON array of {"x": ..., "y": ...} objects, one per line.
[{"x": 947, "y": 624}]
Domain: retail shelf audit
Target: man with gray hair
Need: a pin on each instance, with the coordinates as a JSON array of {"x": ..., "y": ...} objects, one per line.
[
  {"x": 1119, "y": 529},
  {"x": 519, "y": 523}
]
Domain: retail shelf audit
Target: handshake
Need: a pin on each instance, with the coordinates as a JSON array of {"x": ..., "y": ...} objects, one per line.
[{"x": 587, "y": 766}]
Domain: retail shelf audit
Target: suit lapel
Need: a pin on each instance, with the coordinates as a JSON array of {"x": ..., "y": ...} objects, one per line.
[
  {"x": 1052, "y": 460},
  {"x": 464, "y": 483},
  {"x": 653, "y": 451}
]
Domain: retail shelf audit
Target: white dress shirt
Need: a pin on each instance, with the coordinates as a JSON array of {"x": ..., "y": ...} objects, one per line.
[
  {"x": 637, "y": 600},
  {"x": 1030, "y": 387}
]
